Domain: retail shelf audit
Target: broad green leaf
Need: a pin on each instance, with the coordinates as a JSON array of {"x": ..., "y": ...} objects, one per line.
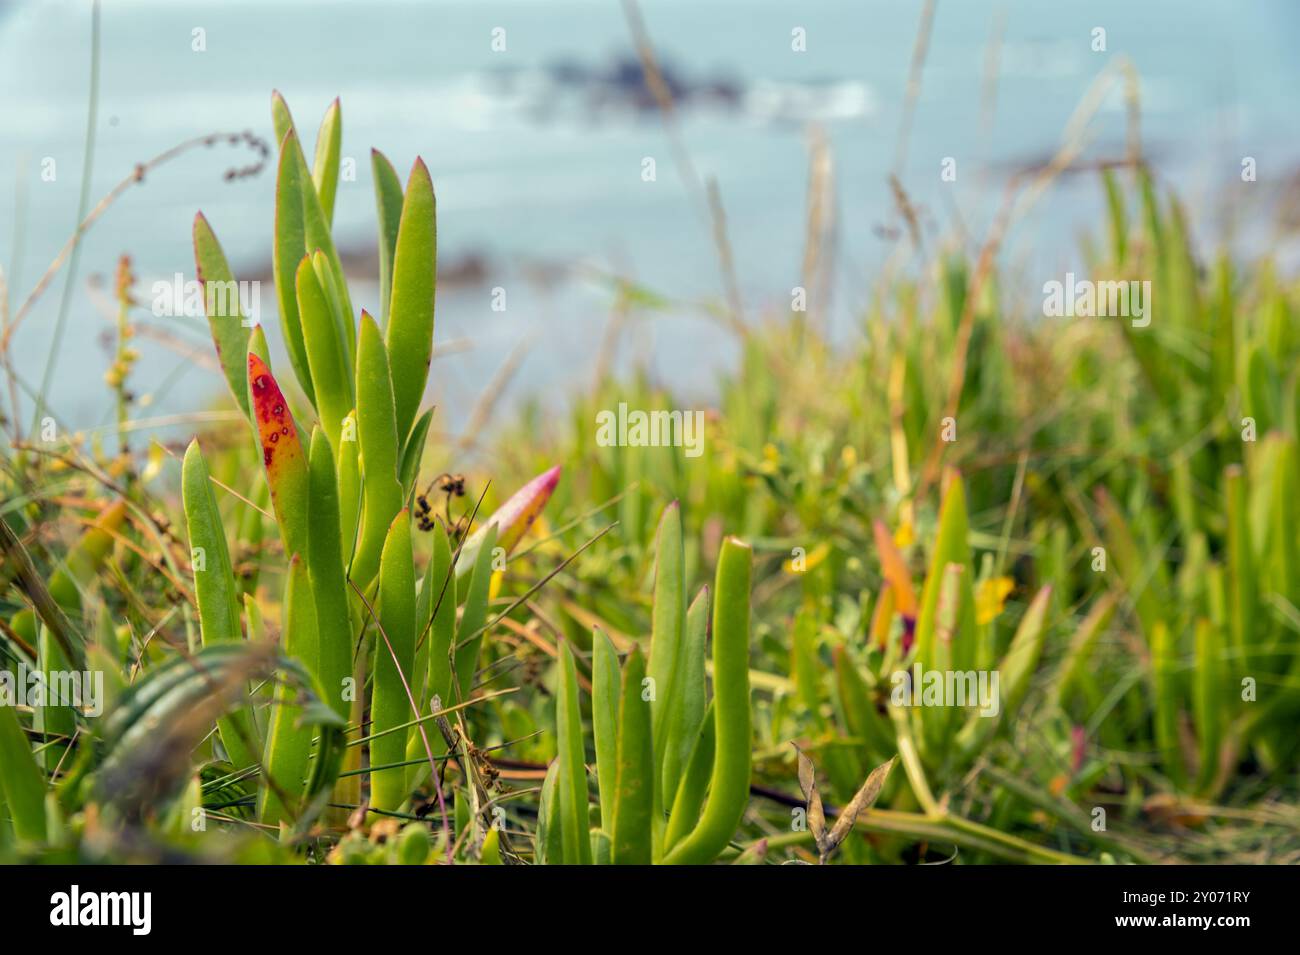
[
  {"x": 325, "y": 166},
  {"x": 222, "y": 307},
  {"x": 950, "y": 547},
  {"x": 806, "y": 666},
  {"x": 667, "y": 622},
  {"x": 336, "y": 294},
  {"x": 325, "y": 569},
  {"x": 214, "y": 589},
  {"x": 330, "y": 375},
  {"x": 288, "y": 747},
  {"x": 316, "y": 232},
  {"x": 413, "y": 453},
  {"x": 550, "y": 843},
  {"x": 409, "y": 329},
  {"x": 694, "y": 785},
  {"x": 22, "y": 785},
  {"x": 605, "y": 679},
  {"x": 937, "y": 722},
  {"x": 689, "y": 697},
  {"x": 394, "y": 662},
  {"x": 635, "y": 801},
  {"x": 575, "y": 820},
  {"x": 214, "y": 577},
  {"x": 377, "y": 437},
  {"x": 57, "y": 722},
  {"x": 388, "y": 200},
  {"x": 729, "y": 783},
  {"x": 470, "y": 633},
  {"x": 286, "y": 254},
  {"x": 281, "y": 118},
  {"x": 439, "y": 616},
  {"x": 350, "y": 489}
]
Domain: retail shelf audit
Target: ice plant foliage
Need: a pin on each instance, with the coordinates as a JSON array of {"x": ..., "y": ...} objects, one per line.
[
  {"x": 338, "y": 494},
  {"x": 653, "y": 809}
]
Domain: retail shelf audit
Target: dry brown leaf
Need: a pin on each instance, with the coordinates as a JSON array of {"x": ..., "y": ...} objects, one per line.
[
  {"x": 864, "y": 797},
  {"x": 813, "y": 799}
]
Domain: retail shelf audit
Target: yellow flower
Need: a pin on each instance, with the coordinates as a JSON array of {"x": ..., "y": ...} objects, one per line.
[
  {"x": 991, "y": 597},
  {"x": 155, "y": 461}
]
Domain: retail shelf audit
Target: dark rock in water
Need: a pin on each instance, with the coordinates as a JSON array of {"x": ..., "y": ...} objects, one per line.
[
  {"x": 622, "y": 84},
  {"x": 468, "y": 269},
  {"x": 618, "y": 87}
]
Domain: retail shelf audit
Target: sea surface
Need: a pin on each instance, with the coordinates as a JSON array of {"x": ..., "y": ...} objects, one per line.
[{"x": 538, "y": 155}]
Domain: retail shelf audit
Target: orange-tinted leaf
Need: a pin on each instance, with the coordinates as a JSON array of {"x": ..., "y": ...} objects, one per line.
[
  {"x": 895, "y": 571},
  {"x": 282, "y": 455},
  {"x": 513, "y": 518}
]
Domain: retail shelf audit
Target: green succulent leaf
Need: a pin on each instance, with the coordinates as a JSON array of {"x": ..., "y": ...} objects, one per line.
[
  {"x": 22, "y": 784},
  {"x": 388, "y": 200},
  {"x": 635, "y": 801},
  {"x": 325, "y": 571},
  {"x": 288, "y": 748},
  {"x": 287, "y": 252},
  {"x": 394, "y": 663},
  {"x": 214, "y": 589},
  {"x": 377, "y": 438},
  {"x": 221, "y": 305},
  {"x": 325, "y": 166},
  {"x": 470, "y": 633},
  {"x": 571, "y": 786},
  {"x": 729, "y": 783},
  {"x": 605, "y": 689},
  {"x": 409, "y": 329},
  {"x": 330, "y": 373}
]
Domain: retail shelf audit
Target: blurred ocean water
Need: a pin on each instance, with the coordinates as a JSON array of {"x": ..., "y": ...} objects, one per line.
[{"x": 537, "y": 153}]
